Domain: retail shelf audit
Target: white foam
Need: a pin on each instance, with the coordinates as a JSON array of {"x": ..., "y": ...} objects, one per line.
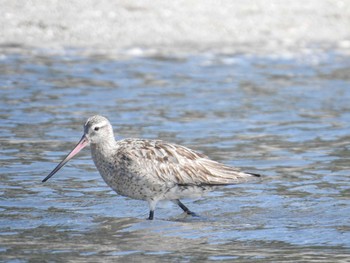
[{"x": 144, "y": 27}]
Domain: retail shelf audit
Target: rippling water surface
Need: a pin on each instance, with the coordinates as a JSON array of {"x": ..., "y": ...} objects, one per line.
[{"x": 287, "y": 118}]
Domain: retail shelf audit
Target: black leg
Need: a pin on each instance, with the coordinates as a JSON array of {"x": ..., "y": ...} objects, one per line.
[
  {"x": 151, "y": 214},
  {"x": 183, "y": 207}
]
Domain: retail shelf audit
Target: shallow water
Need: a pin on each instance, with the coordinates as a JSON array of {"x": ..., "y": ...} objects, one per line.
[{"x": 285, "y": 117}]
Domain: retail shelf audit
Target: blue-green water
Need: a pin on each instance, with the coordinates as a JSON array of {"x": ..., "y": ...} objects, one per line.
[{"x": 287, "y": 118}]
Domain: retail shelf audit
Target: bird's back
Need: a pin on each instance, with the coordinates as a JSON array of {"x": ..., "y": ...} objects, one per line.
[{"x": 169, "y": 163}]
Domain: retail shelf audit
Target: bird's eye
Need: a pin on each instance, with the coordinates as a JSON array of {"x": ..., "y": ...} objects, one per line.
[{"x": 96, "y": 128}]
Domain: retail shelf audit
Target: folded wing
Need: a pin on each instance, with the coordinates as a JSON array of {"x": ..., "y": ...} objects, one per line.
[{"x": 176, "y": 164}]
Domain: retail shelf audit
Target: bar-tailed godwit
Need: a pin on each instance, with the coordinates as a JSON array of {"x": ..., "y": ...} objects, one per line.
[{"x": 151, "y": 170}]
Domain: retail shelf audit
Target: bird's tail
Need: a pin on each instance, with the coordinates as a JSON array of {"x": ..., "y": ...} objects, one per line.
[{"x": 254, "y": 174}]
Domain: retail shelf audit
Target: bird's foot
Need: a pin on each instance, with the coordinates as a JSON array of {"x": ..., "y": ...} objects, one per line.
[{"x": 192, "y": 213}]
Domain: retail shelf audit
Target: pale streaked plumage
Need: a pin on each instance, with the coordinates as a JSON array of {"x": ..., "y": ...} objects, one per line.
[{"x": 152, "y": 170}]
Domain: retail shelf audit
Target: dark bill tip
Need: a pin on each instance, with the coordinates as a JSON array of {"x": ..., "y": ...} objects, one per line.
[{"x": 82, "y": 143}]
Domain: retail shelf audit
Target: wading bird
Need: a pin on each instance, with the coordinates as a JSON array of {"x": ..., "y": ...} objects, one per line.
[{"x": 151, "y": 170}]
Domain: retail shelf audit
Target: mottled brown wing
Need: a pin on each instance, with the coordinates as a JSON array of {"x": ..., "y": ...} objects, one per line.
[{"x": 177, "y": 164}]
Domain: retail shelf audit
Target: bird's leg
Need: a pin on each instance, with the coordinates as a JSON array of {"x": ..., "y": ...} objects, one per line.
[
  {"x": 151, "y": 214},
  {"x": 183, "y": 207},
  {"x": 152, "y": 206}
]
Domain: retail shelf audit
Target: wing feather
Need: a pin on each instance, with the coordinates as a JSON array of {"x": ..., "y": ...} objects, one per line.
[{"x": 176, "y": 164}]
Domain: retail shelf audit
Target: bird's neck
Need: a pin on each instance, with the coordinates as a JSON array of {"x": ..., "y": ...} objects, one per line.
[{"x": 104, "y": 149}]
